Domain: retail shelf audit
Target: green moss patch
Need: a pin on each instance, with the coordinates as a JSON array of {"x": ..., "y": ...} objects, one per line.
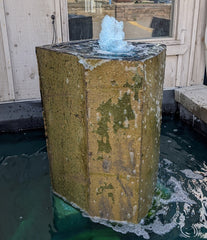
[{"x": 120, "y": 112}]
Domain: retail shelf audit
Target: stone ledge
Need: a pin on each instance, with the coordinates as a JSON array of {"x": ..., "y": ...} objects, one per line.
[
  {"x": 194, "y": 99},
  {"x": 25, "y": 115},
  {"x": 21, "y": 115},
  {"x": 197, "y": 124}
]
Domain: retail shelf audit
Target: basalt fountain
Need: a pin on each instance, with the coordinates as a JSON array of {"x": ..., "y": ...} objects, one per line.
[{"x": 102, "y": 113}]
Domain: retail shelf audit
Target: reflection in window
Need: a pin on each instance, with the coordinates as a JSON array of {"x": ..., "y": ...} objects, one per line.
[{"x": 142, "y": 19}]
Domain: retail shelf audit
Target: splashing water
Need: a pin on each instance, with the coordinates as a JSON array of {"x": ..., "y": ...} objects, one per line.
[
  {"x": 179, "y": 209},
  {"x": 111, "y": 38}
]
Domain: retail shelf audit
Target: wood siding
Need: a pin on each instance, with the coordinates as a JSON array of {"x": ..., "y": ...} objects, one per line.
[{"x": 27, "y": 24}]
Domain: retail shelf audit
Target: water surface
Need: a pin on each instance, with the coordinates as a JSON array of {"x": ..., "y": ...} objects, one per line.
[
  {"x": 90, "y": 49},
  {"x": 179, "y": 210}
]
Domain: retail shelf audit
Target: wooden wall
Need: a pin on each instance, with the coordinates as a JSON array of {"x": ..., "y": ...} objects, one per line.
[
  {"x": 23, "y": 26},
  {"x": 185, "y": 63},
  {"x": 26, "y": 24}
]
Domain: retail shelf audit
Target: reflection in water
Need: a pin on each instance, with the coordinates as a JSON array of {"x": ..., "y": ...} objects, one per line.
[{"x": 25, "y": 202}]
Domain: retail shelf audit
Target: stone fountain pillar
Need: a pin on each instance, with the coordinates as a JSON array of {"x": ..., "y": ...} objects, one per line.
[{"x": 102, "y": 117}]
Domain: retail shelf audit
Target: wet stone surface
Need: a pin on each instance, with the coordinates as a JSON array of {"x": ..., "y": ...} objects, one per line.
[
  {"x": 90, "y": 49},
  {"x": 102, "y": 116}
]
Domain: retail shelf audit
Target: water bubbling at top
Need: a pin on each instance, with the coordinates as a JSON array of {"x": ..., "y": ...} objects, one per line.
[{"x": 111, "y": 38}]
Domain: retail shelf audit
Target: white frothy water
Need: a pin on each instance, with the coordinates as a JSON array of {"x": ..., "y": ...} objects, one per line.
[{"x": 111, "y": 38}]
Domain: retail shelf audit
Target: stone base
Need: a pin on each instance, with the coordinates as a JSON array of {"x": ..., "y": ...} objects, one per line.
[
  {"x": 102, "y": 118},
  {"x": 192, "y": 103}
]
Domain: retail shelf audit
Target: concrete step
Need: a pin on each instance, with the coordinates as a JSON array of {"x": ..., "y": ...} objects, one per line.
[{"x": 194, "y": 99}]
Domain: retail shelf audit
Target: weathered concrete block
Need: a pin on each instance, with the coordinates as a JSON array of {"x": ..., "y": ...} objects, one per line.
[
  {"x": 194, "y": 99},
  {"x": 102, "y": 119}
]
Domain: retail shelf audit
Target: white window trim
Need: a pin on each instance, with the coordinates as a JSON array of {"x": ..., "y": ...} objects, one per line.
[{"x": 175, "y": 44}]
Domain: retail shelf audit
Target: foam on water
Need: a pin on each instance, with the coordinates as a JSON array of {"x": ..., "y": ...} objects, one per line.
[
  {"x": 190, "y": 174},
  {"x": 111, "y": 38},
  {"x": 180, "y": 208},
  {"x": 24, "y": 182}
]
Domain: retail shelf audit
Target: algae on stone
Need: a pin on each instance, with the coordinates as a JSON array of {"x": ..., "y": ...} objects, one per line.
[{"x": 102, "y": 120}]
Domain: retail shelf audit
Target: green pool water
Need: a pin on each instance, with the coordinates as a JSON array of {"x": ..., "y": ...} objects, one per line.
[{"x": 29, "y": 211}]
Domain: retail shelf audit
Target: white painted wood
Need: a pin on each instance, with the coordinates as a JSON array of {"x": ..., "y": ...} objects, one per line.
[
  {"x": 187, "y": 18},
  {"x": 181, "y": 20},
  {"x": 180, "y": 34},
  {"x": 175, "y": 19},
  {"x": 206, "y": 43},
  {"x": 174, "y": 50},
  {"x": 28, "y": 25},
  {"x": 193, "y": 41},
  {"x": 4, "y": 86},
  {"x": 187, "y": 35},
  {"x": 64, "y": 20},
  {"x": 58, "y": 21},
  {"x": 170, "y": 71},
  {"x": 6, "y": 77},
  {"x": 178, "y": 81},
  {"x": 181, "y": 30},
  {"x": 61, "y": 20},
  {"x": 198, "y": 68},
  {"x": 185, "y": 43},
  {"x": 174, "y": 47}
]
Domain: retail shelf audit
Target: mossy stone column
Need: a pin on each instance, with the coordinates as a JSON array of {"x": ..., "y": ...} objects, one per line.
[{"x": 102, "y": 119}]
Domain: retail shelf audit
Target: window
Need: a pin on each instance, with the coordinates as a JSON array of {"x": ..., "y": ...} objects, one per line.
[{"x": 142, "y": 19}]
